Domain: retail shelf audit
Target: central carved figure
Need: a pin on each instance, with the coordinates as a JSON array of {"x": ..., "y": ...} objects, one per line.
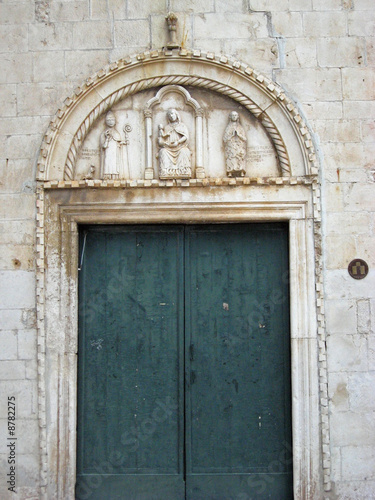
[{"x": 174, "y": 154}]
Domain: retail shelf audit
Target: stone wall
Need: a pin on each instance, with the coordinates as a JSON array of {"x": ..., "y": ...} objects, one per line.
[{"x": 322, "y": 53}]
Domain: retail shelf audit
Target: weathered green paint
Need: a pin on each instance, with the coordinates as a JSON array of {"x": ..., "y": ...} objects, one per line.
[{"x": 184, "y": 363}]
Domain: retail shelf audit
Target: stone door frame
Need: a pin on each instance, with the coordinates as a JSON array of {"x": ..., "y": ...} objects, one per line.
[{"x": 64, "y": 203}]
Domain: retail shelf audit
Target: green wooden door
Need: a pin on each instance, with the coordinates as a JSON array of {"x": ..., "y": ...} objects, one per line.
[{"x": 184, "y": 363}]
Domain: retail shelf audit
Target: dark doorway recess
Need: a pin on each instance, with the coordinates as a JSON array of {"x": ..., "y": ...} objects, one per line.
[{"x": 184, "y": 363}]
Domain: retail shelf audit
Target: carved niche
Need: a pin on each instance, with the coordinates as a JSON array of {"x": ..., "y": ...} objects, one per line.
[{"x": 175, "y": 156}]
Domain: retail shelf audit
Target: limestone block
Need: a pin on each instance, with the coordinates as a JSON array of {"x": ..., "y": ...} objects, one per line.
[
  {"x": 358, "y": 462},
  {"x": 343, "y": 156},
  {"x": 287, "y": 24},
  {"x": 48, "y": 66},
  {"x": 264, "y": 53},
  {"x": 323, "y": 110},
  {"x": 28, "y": 433},
  {"x": 341, "y": 316},
  {"x": 359, "y": 109},
  {"x": 360, "y": 197},
  {"x": 17, "y": 289},
  {"x": 8, "y": 340},
  {"x": 22, "y": 146},
  {"x": 338, "y": 391},
  {"x": 300, "y": 53},
  {"x": 333, "y": 197},
  {"x": 38, "y": 99},
  {"x": 12, "y": 370},
  {"x": 340, "y": 51},
  {"x": 361, "y": 23},
  {"x": 338, "y": 131},
  {"x": 346, "y": 174},
  {"x": 27, "y": 345},
  {"x": 365, "y": 247},
  {"x": 8, "y": 100},
  {"x": 13, "y": 38},
  {"x": 216, "y": 46},
  {"x": 358, "y": 83},
  {"x": 368, "y": 131},
  {"x": 69, "y": 11},
  {"x": 28, "y": 468},
  {"x": 322, "y": 84},
  {"x": 17, "y": 232},
  {"x": 139, "y": 10},
  {"x": 340, "y": 285},
  {"x": 362, "y": 391},
  {"x": 300, "y": 5},
  {"x": 132, "y": 32},
  {"x": 80, "y": 64},
  {"x": 229, "y": 5},
  {"x": 235, "y": 26},
  {"x": 51, "y": 36},
  {"x": 23, "y": 125},
  {"x": 26, "y": 394},
  {"x": 321, "y": 24},
  {"x": 352, "y": 429},
  {"x": 371, "y": 352},
  {"x": 327, "y": 5},
  {"x": 15, "y": 68},
  {"x": 159, "y": 35},
  {"x": 339, "y": 251},
  {"x": 92, "y": 35},
  {"x": 17, "y": 12},
  {"x": 346, "y": 353},
  {"x": 347, "y": 223},
  {"x": 31, "y": 369},
  {"x": 192, "y": 6},
  {"x": 269, "y": 5},
  {"x": 355, "y": 490},
  {"x": 105, "y": 10}
]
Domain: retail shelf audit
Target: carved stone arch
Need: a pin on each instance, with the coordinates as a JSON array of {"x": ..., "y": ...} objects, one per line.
[
  {"x": 65, "y": 202},
  {"x": 259, "y": 95}
]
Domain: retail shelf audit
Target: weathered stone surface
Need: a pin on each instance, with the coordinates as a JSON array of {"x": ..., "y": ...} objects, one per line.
[
  {"x": 361, "y": 391},
  {"x": 352, "y": 429},
  {"x": 340, "y": 51},
  {"x": 8, "y": 341},
  {"x": 324, "y": 24},
  {"x": 347, "y": 353},
  {"x": 364, "y": 459},
  {"x": 341, "y": 316}
]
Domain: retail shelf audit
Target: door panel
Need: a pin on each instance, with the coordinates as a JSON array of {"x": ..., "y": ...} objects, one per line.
[
  {"x": 130, "y": 416},
  {"x": 238, "y": 381},
  {"x": 184, "y": 363}
]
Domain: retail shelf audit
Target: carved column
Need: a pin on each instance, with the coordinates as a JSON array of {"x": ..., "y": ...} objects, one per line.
[
  {"x": 199, "y": 170},
  {"x": 149, "y": 171}
]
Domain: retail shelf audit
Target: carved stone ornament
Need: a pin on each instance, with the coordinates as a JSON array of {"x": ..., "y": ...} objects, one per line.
[
  {"x": 174, "y": 154},
  {"x": 173, "y": 138},
  {"x": 113, "y": 164},
  {"x": 172, "y": 19},
  {"x": 235, "y": 146}
]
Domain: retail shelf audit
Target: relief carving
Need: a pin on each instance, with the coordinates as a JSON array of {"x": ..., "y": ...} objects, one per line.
[
  {"x": 174, "y": 154},
  {"x": 114, "y": 162},
  {"x": 111, "y": 150},
  {"x": 235, "y": 146},
  {"x": 177, "y": 157}
]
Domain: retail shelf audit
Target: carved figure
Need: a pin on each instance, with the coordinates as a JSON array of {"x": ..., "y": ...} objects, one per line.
[
  {"x": 111, "y": 149},
  {"x": 174, "y": 154},
  {"x": 90, "y": 173},
  {"x": 235, "y": 146}
]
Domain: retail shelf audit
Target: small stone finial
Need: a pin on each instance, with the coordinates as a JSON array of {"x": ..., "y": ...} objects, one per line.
[{"x": 172, "y": 19}]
